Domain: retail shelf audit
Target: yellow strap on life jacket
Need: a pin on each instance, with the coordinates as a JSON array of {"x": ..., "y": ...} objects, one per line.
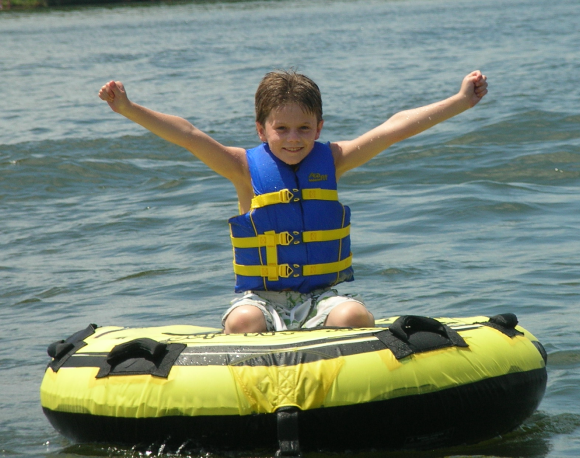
[
  {"x": 272, "y": 255},
  {"x": 284, "y": 238},
  {"x": 326, "y": 235},
  {"x": 319, "y": 194},
  {"x": 284, "y": 196},
  {"x": 273, "y": 271},
  {"x": 328, "y": 268}
]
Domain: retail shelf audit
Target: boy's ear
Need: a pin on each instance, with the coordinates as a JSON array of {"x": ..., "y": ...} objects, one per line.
[
  {"x": 261, "y": 131},
  {"x": 319, "y": 129}
]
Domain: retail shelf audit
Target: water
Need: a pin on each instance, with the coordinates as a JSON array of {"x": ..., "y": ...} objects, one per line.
[{"x": 102, "y": 222}]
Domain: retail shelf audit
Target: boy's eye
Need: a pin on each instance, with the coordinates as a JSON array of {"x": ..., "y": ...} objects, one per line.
[{"x": 286, "y": 128}]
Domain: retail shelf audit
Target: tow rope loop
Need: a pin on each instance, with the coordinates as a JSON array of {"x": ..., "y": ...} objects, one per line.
[
  {"x": 505, "y": 323},
  {"x": 62, "y": 350},
  {"x": 288, "y": 440}
]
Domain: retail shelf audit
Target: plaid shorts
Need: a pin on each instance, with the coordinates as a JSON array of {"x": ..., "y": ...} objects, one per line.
[{"x": 292, "y": 310}]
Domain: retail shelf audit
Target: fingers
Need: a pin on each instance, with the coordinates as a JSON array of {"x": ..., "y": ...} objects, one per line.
[
  {"x": 478, "y": 83},
  {"x": 481, "y": 91},
  {"x": 106, "y": 93},
  {"x": 477, "y": 78},
  {"x": 111, "y": 90}
]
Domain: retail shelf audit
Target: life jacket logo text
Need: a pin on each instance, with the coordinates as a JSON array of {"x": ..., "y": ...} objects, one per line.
[{"x": 317, "y": 177}]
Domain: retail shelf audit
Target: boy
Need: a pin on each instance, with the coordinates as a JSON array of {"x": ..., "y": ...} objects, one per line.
[{"x": 291, "y": 240}]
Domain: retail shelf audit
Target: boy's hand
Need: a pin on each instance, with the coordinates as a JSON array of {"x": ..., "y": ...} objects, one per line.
[
  {"x": 114, "y": 94},
  {"x": 474, "y": 87}
]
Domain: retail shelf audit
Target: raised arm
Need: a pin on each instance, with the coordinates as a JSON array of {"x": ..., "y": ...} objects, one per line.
[
  {"x": 405, "y": 124},
  {"x": 229, "y": 162}
]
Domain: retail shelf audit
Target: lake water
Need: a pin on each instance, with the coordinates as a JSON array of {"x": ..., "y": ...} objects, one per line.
[{"x": 100, "y": 222}]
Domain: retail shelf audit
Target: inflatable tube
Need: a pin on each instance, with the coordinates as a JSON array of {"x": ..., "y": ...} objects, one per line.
[{"x": 411, "y": 382}]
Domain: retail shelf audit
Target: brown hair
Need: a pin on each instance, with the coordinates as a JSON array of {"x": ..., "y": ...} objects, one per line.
[{"x": 282, "y": 87}]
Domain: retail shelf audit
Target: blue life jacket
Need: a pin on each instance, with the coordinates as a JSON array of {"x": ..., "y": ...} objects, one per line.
[{"x": 296, "y": 235}]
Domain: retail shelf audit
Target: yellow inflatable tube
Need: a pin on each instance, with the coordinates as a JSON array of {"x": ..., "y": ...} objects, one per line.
[{"x": 410, "y": 382}]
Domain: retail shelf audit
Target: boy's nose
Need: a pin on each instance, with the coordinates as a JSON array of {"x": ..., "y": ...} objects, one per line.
[{"x": 293, "y": 135}]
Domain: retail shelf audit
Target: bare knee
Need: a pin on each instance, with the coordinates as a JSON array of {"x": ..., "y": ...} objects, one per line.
[
  {"x": 350, "y": 314},
  {"x": 245, "y": 318}
]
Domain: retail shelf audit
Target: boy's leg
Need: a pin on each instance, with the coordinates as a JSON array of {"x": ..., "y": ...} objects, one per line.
[
  {"x": 333, "y": 309},
  {"x": 350, "y": 314},
  {"x": 245, "y": 318},
  {"x": 251, "y": 313}
]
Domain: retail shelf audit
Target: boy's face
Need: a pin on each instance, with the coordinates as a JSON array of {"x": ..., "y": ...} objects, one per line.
[{"x": 290, "y": 133}]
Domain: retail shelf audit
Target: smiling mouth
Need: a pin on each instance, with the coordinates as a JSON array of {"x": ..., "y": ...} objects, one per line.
[{"x": 293, "y": 150}]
